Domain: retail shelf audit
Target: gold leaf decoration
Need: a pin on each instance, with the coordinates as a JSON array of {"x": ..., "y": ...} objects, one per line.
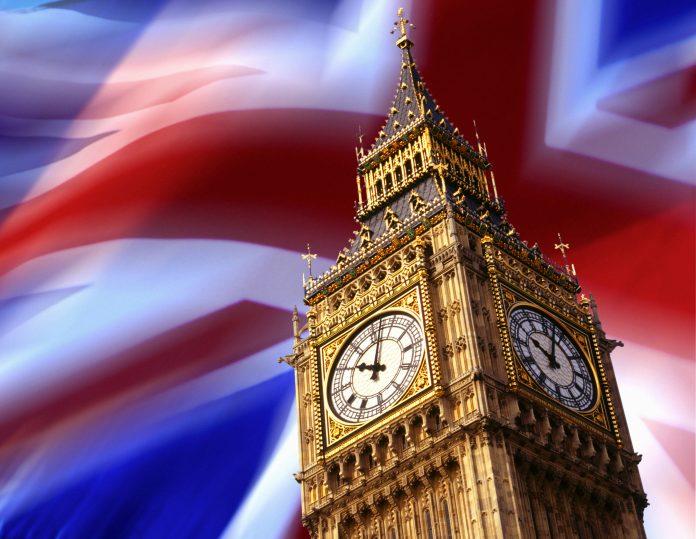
[
  {"x": 329, "y": 352},
  {"x": 338, "y": 430},
  {"x": 421, "y": 381},
  {"x": 409, "y": 301},
  {"x": 523, "y": 377}
]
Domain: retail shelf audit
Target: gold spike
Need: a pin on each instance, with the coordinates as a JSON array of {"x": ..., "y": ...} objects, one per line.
[
  {"x": 456, "y": 130},
  {"x": 429, "y": 113},
  {"x": 382, "y": 134},
  {"x": 442, "y": 122},
  {"x": 397, "y": 125},
  {"x": 404, "y": 86},
  {"x": 408, "y": 100},
  {"x": 411, "y": 115},
  {"x": 495, "y": 189},
  {"x": 393, "y": 110}
]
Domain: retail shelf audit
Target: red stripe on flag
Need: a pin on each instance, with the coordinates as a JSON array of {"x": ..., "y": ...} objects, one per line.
[{"x": 175, "y": 356}]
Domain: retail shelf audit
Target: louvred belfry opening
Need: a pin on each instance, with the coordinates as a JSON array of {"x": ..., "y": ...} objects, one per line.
[{"x": 418, "y": 141}]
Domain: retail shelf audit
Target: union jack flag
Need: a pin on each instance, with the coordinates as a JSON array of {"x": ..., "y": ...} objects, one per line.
[{"x": 164, "y": 163}]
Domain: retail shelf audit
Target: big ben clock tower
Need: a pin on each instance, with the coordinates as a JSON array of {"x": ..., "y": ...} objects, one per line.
[{"x": 451, "y": 381}]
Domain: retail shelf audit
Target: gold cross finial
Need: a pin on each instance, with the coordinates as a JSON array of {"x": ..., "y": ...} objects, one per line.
[
  {"x": 309, "y": 257},
  {"x": 401, "y": 25},
  {"x": 563, "y": 247}
]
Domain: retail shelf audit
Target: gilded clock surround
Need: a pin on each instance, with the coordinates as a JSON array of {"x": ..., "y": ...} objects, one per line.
[
  {"x": 474, "y": 448},
  {"x": 409, "y": 294}
]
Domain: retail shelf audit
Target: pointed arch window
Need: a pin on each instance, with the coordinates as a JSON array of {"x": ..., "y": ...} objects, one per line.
[
  {"x": 409, "y": 167},
  {"x": 378, "y": 187},
  {"x": 388, "y": 182},
  {"x": 428, "y": 523},
  {"x": 446, "y": 517},
  {"x": 419, "y": 160}
]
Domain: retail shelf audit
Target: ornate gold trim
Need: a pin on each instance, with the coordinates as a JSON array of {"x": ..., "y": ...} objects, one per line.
[
  {"x": 506, "y": 296},
  {"x": 351, "y": 273},
  {"x": 414, "y": 299}
]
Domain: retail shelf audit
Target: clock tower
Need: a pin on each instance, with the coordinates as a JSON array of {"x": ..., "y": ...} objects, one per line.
[{"x": 452, "y": 381}]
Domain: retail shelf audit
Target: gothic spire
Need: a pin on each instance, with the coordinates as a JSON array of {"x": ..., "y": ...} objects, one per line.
[{"x": 412, "y": 104}]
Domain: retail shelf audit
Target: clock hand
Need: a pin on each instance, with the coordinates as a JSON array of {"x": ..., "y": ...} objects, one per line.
[
  {"x": 363, "y": 366},
  {"x": 552, "y": 361},
  {"x": 376, "y": 366}
]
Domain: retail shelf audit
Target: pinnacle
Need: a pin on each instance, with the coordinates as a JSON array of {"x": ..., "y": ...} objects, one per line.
[{"x": 412, "y": 105}]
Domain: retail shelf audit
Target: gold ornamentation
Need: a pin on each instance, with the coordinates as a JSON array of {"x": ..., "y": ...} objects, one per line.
[
  {"x": 409, "y": 301},
  {"x": 338, "y": 430},
  {"x": 421, "y": 381},
  {"x": 329, "y": 352}
]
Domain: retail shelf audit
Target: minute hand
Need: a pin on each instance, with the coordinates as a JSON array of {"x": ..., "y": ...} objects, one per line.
[
  {"x": 376, "y": 367},
  {"x": 552, "y": 361}
]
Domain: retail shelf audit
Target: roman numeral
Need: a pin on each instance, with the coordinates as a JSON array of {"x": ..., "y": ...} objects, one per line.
[
  {"x": 363, "y": 404},
  {"x": 408, "y": 347},
  {"x": 351, "y": 399}
]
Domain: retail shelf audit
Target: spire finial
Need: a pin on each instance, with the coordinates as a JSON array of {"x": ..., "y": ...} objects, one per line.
[
  {"x": 563, "y": 247},
  {"x": 478, "y": 140},
  {"x": 401, "y": 25},
  {"x": 309, "y": 257},
  {"x": 359, "y": 151}
]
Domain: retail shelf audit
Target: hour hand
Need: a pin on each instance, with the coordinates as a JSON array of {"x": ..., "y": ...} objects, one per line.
[
  {"x": 552, "y": 360},
  {"x": 374, "y": 368}
]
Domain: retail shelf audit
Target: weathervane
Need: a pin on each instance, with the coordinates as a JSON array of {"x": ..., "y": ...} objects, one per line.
[
  {"x": 308, "y": 258},
  {"x": 359, "y": 152},
  {"x": 563, "y": 247},
  {"x": 401, "y": 25}
]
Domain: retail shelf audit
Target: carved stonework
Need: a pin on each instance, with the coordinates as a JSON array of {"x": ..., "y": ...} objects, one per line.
[
  {"x": 338, "y": 430},
  {"x": 474, "y": 447}
]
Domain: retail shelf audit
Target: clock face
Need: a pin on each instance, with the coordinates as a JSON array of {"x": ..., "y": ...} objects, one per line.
[
  {"x": 552, "y": 359},
  {"x": 375, "y": 367}
]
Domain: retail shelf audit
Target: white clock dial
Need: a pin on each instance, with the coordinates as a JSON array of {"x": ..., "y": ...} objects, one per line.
[
  {"x": 375, "y": 367},
  {"x": 552, "y": 359}
]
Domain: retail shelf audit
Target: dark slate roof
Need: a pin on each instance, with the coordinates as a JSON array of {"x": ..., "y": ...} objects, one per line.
[
  {"x": 401, "y": 207},
  {"x": 411, "y": 96}
]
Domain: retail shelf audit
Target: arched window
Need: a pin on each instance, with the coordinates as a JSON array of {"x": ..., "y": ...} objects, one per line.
[
  {"x": 428, "y": 524},
  {"x": 398, "y": 173},
  {"x": 388, "y": 182},
  {"x": 378, "y": 187},
  {"x": 409, "y": 167},
  {"x": 392, "y": 533},
  {"x": 446, "y": 516},
  {"x": 419, "y": 160}
]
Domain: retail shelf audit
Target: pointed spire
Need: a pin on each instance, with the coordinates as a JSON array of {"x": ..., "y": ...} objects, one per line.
[
  {"x": 401, "y": 25},
  {"x": 296, "y": 325},
  {"x": 412, "y": 103}
]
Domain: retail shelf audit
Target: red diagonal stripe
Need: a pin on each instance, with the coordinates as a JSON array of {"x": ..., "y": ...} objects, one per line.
[
  {"x": 177, "y": 355},
  {"x": 669, "y": 101}
]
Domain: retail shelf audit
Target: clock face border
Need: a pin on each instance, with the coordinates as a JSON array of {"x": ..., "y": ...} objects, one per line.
[
  {"x": 356, "y": 380},
  {"x": 413, "y": 300},
  {"x": 572, "y": 334},
  {"x": 599, "y": 418}
]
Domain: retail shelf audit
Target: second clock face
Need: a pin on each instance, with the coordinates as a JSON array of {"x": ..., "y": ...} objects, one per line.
[
  {"x": 375, "y": 367},
  {"x": 552, "y": 358}
]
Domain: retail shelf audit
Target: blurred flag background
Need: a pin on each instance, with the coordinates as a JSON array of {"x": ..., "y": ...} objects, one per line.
[{"x": 163, "y": 164}]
